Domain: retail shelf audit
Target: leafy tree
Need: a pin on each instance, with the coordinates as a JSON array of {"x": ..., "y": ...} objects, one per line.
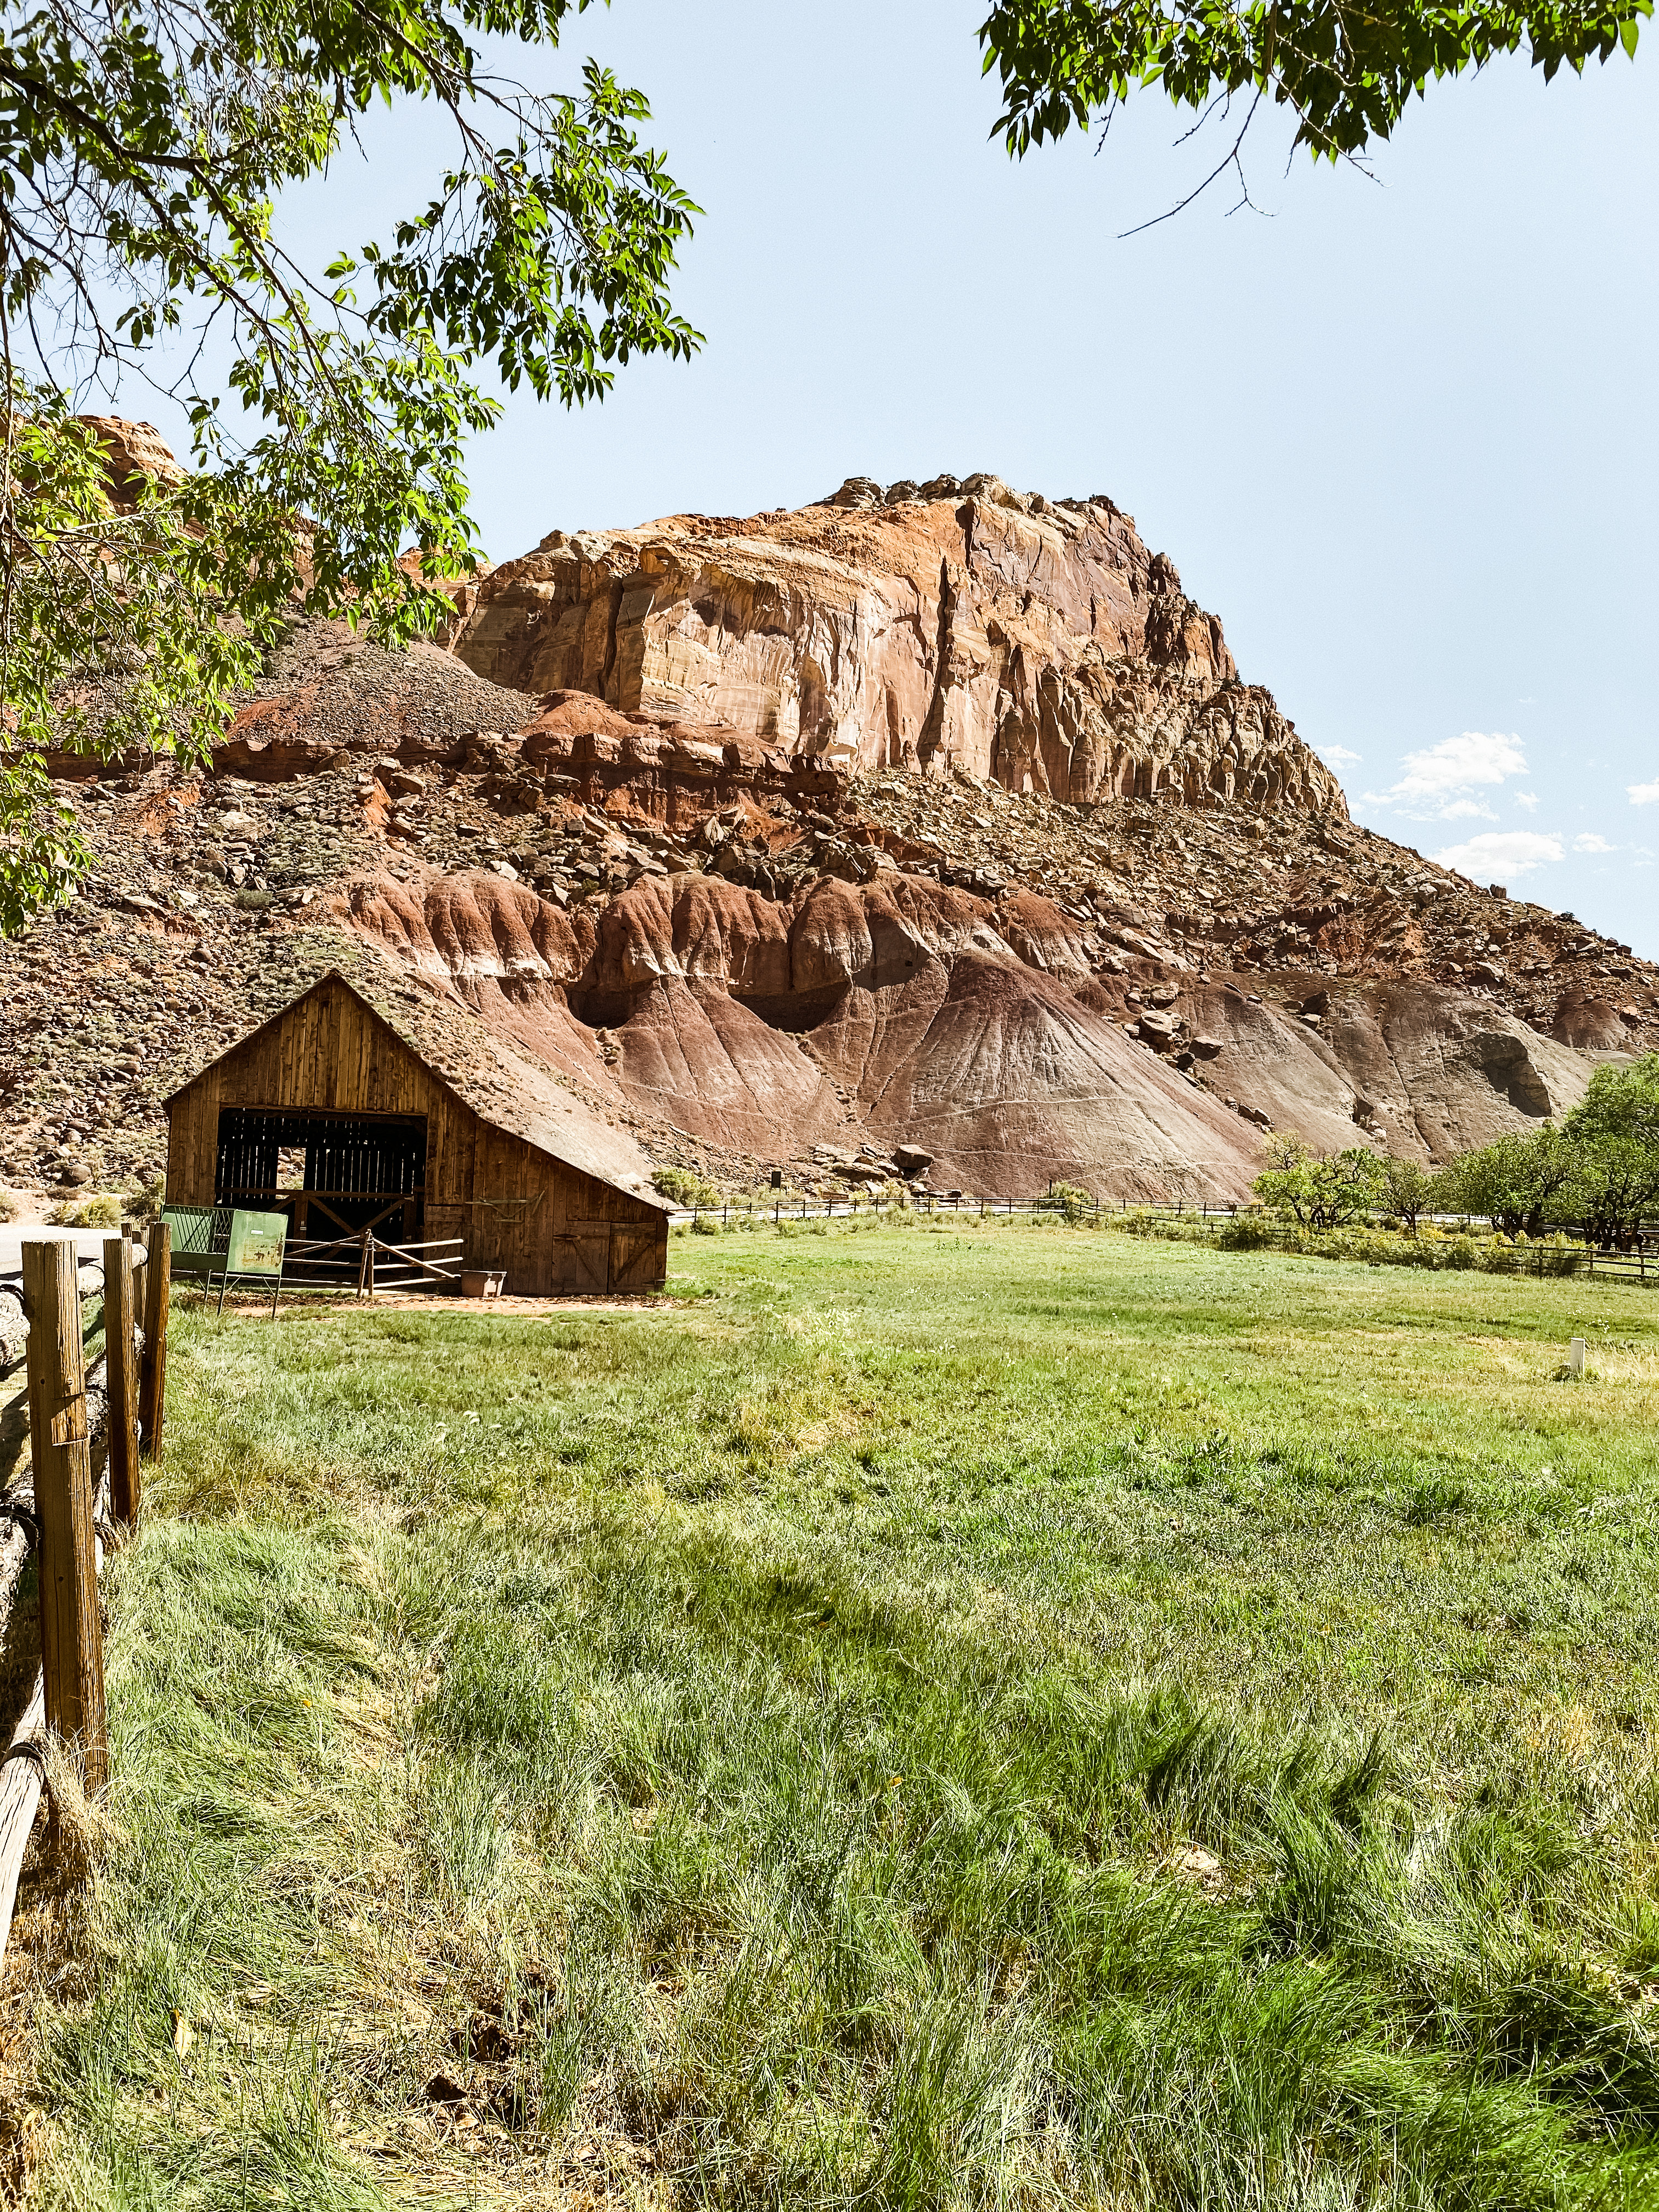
[
  {"x": 1319, "y": 1190},
  {"x": 1615, "y": 1126},
  {"x": 1621, "y": 1102},
  {"x": 1410, "y": 1191},
  {"x": 1345, "y": 73},
  {"x": 143, "y": 145},
  {"x": 1519, "y": 1182},
  {"x": 1616, "y": 1188}
]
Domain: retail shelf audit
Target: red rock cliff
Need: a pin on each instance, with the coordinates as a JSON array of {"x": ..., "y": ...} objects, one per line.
[{"x": 946, "y": 626}]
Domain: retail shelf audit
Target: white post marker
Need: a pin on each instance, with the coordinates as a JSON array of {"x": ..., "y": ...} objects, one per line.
[{"x": 1575, "y": 1359}]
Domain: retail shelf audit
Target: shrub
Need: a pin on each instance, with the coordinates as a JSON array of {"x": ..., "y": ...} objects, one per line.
[
  {"x": 1068, "y": 1198},
  {"x": 705, "y": 1225},
  {"x": 1169, "y": 1229},
  {"x": 103, "y": 1211},
  {"x": 144, "y": 1200},
  {"x": 1246, "y": 1232},
  {"x": 11, "y": 1203},
  {"x": 681, "y": 1187}
]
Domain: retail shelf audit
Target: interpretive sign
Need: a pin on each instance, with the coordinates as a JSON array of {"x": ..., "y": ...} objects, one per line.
[{"x": 256, "y": 1244}]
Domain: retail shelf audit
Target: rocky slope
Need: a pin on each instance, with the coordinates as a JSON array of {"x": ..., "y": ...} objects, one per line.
[{"x": 991, "y": 861}]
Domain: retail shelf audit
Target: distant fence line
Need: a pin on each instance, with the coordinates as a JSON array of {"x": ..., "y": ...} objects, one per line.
[{"x": 1535, "y": 1257}]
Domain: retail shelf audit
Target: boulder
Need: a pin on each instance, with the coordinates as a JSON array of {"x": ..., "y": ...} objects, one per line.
[{"x": 1591, "y": 1024}]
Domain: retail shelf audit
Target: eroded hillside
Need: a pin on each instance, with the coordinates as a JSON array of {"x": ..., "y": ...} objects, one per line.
[{"x": 937, "y": 822}]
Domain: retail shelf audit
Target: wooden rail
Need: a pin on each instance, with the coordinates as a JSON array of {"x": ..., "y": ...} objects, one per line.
[
  {"x": 80, "y": 1411},
  {"x": 367, "y": 1263}
]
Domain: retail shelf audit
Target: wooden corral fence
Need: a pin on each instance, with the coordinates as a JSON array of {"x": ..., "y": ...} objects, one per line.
[
  {"x": 353, "y": 1260},
  {"x": 370, "y": 1263},
  {"x": 91, "y": 1422}
]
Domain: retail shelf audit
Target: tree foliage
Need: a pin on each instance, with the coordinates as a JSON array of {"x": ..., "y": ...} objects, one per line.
[
  {"x": 143, "y": 148},
  {"x": 1621, "y": 1103},
  {"x": 1319, "y": 1190},
  {"x": 1615, "y": 1130},
  {"x": 1410, "y": 1190},
  {"x": 1518, "y": 1181},
  {"x": 1344, "y": 72},
  {"x": 1598, "y": 1172},
  {"x": 115, "y": 632}
]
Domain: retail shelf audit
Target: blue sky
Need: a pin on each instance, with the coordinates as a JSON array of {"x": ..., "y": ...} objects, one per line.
[{"x": 1398, "y": 432}]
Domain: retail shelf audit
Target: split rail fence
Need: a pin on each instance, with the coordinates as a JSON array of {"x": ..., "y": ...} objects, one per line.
[{"x": 94, "y": 1414}]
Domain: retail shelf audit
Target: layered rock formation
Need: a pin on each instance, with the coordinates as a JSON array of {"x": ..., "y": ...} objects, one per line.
[
  {"x": 949, "y": 626},
  {"x": 972, "y": 1028},
  {"x": 932, "y": 825}
]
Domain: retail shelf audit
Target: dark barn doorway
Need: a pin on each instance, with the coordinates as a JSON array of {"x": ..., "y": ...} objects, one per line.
[{"x": 333, "y": 1174}]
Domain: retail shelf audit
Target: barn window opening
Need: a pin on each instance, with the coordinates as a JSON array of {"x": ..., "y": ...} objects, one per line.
[{"x": 333, "y": 1174}]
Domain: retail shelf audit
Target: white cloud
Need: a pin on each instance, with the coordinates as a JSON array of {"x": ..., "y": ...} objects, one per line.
[
  {"x": 1528, "y": 799},
  {"x": 1437, "y": 779},
  {"x": 1590, "y": 842},
  {"x": 1461, "y": 808},
  {"x": 1501, "y": 853},
  {"x": 1338, "y": 756},
  {"x": 1643, "y": 794}
]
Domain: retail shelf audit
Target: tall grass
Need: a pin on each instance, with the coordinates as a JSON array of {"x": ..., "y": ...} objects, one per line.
[{"x": 932, "y": 1720}]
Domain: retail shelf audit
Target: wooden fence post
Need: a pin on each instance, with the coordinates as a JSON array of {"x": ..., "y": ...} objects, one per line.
[
  {"x": 125, "y": 1483},
  {"x": 71, "y": 1634},
  {"x": 153, "y": 1377}
]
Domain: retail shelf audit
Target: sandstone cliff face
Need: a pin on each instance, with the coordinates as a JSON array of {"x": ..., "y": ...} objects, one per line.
[
  {"x": 966, "y": 626},
  {"x": 132, "y": 451},
  {"x": 766, "y": 837}
]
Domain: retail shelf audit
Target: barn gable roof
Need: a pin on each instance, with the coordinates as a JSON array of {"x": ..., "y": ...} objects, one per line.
[{"x": 500, "y": 1086}]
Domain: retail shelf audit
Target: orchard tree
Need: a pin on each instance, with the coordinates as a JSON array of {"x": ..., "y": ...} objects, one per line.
[
  {"x": 1319, "y": 1190},
  {"x": 1409, "y": 1190},
  {"x": 143, "y": 148},
  {"x": 1622, "y": 1103},
  {"x": 1615, "y": 1128},
  {"x": 1520, "y": 1183}
]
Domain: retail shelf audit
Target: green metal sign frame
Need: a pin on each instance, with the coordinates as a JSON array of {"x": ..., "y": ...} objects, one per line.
[
  {"x": 256, "y": 1244},
  {"x": 256, "y": 1247}
]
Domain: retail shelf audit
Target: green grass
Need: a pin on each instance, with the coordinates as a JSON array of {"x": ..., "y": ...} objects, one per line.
[{"x": 930, "y": 1718}]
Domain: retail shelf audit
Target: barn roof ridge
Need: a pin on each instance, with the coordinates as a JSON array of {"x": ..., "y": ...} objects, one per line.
[{"x": 534, "y": 1098}]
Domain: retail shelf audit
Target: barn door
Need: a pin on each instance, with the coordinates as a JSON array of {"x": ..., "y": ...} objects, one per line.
[
  {"x": 590, "y": 1241},
  {"x": 635, "y": 1256}
]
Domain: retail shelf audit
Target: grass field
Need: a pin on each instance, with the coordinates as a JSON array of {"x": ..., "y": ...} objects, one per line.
[{"x": 929, "y": 1718}]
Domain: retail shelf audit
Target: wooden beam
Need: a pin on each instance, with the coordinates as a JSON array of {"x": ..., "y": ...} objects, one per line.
[
  {"x": 71, "y": 1633},
  {"x": 153, "y": 1379},
  {"x": 21, "y": 1778},
  {"x": 125, "y": 1482}
]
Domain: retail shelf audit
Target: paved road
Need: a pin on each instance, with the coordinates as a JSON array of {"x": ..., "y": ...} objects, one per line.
[{"x": 89, "y": 1241}]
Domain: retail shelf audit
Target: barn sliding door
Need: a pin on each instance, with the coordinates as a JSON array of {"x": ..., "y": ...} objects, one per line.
[{"x": 637, "y": 1252}]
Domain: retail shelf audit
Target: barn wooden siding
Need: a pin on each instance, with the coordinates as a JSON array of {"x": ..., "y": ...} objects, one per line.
[{"x": 551, "y": 1226}]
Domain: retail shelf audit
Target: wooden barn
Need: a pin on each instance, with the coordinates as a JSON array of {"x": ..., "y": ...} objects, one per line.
[{"x": 414, "y": 1120}]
